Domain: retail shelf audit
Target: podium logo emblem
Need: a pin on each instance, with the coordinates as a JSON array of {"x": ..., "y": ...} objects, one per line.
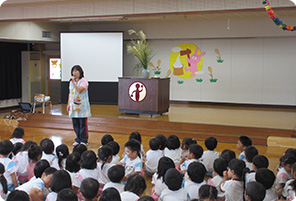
[{"x": 137, "y": 91}]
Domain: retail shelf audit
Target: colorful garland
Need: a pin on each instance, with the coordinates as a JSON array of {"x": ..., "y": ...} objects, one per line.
[{"x": 276, "y": 20}]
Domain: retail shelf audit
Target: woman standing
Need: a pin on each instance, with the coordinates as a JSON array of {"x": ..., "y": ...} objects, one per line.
[{"x": 78, "y": 104}]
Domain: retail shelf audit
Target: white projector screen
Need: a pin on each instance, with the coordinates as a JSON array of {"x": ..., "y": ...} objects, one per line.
[{"x": 99, "y": 54}]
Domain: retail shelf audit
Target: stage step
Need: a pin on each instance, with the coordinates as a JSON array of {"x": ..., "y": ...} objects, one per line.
[{"x": 153, "y": 127}]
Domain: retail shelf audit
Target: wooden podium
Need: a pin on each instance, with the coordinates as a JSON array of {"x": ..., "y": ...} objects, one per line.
[{"x": 139, "y": 95}]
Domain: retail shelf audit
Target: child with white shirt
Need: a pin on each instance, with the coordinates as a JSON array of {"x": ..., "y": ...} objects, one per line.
[
  {"x": 152, "y": 157},
  {"x": 290, "y": 187},
  {"x": 233, "y": 183},
  {"x": 17, "y": 136},
  {"x": 195, "y": 152},
  {"x": 250, "y": 153},
  {"x": 90, "y": 189},
  {"x": 158, "y": 183},
  {"x": 162, "y": 140},
  {"x": 60, "y": 180},
  {"x": 266, "y": 177},
  {"x": 173, "y": 149},
  {"x": 242, "y": 143},
  {"x": 255, "y": 191},
  {"x": 209, "y": 156},
  {"x": 47, "y": 147},
  {"x": 196, "y": 174},
  {"x": 137, "y": 136},
  {"x": 132, "y": 161},
  {"x": 134, "y": 188},
  {"x": 220, "y": 166},
  {"x": 115, "y": 149},
  {"x": 173, "y": 179},
  {"x": 259, "y": 161},
  {"x": 115, "y": 174},
  {"x": 73, "y": 165},
  {"x": 6, "y": 148},
  {"x": 62, "y": 152},
  {"x": 187, "y": 141}
]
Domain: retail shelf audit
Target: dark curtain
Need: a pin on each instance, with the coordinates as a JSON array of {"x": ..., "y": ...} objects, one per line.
[{"x": 11, "y": 70}]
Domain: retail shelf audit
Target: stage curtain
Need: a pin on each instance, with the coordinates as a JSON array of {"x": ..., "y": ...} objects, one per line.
[{"x": 11, "y": 70}]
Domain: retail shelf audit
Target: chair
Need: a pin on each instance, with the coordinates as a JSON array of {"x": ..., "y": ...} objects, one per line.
[{"x": 41, "y": 98}]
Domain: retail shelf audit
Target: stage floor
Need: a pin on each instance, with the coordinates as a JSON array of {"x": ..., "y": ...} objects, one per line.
[{"x": 261, "y": 117}]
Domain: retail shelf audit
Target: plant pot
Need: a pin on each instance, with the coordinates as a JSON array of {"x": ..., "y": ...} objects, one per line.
[
  {"x": 157, "y": 72},
  {"x": 145, "y": 73}
]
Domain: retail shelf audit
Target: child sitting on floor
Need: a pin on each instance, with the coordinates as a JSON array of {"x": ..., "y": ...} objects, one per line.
[
  {"x": 187, "y": 141},
  {"x": 115, "y": 149},
  {"x": 153, "y": 156},
  {"x": 60, "y": 180},
  {"x": 47, "y": 147},
  {"x": 134, "y": 188},
  {"x": 242, "y": 143},
  {"x": 259, "y": 161},
  {"x": 207, "y": 193},
  {"x": 209, "y": 156},
  {"x": 255, "y": 191},
  {"x": 115, "y": 174},
  {"x": 290, "y": 187},
  {"x": 173, "y": 149},
  {"x": 266, "y": 177},
  {"x": 90, "y": 189},
  {"x": 250, "y": 153},
  {"x": 17, "y": 136}
]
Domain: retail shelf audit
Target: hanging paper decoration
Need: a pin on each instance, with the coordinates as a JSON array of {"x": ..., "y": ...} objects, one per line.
[{"x": 274, "y": 18}]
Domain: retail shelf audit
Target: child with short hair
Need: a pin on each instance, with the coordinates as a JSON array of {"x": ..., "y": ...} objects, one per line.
[
  {"x": 106, "y": 139},
  {"x": 17, "y": 195},
  {"x": 115, "y": 174},
  {"x": 3, "y": 182},
  {"x": 132, "y": 161},
  {"x": 220, "y": 165},
  {"x": 284, "y": 173},
  {"x": 6, "y": 148},
  {"x": 290, "y": 187},
  {"x": 196, "y": 174},
  {"x": 207, "y": 193},
  {"x": 110, "y": 194},
  {"x": 209, "y": 156},
  {"x": 60, "y": 180},
  {"x": 34, "y": 154},
  {"x": 250, "y": 153},
  {"x": 137, "y": 136},
  {"x": 152, "y": 157},
  {"x": 162, "y": 140},
  {"x": 255, "y": 191},
  {"x": 73, "y": 164},
  {"x": 173, "y": 149},
  {"x": 67, "y": 194},
  {"x": 17, "y": 136},
  {"x": 16, "y": 149},
  {"x": 158, "y": 183},
  {"x": 134, "y": 188},
  {"x": 115, "y": 150},
  {"x": 233, "y": 183},
  {"x": 195, "y": 152},
  {"x": 259, "y": 161},
  {"x": 266, "y": 177},
  {"x": 173, "y": 179},
  {"x": 228, "y": 155},
  {"x": 90, "y": 189},
  {"x": 242, "y": 143},
  {"x": 62, "y": 152},
  {"x": 47, "y": 147},
  {"x": 187, "y": 141},
  {"x": 80, "y": 148}
]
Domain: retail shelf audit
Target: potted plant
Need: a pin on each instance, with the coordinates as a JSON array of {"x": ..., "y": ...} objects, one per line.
[
  {"x": 141, "y": 50},
  {"x": 156, "y": 69}
]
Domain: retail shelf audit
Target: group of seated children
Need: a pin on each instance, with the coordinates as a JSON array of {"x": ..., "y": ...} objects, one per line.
[{"x": 179, "y": 171}]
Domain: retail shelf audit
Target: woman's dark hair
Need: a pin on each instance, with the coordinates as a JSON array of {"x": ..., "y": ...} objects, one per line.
[
  {"x": 288, "y": 159},
  {"x": 196, "y": 150},
  {"x": 116, "y": 173},
  {"x": 260, "y": 161},
  {"x": 110, "y": 194},
  {"x": 17, "y": 147},
  {"x": 18, "y": 133},
  {"x": 134, "y": 145},
  {"x": 80, "y": 148},
  {"x": 211, "y": 143},
  {"x": 220, "y": 165},
  {"x": 208, "y": 192},
  {"x": 5, "y": 147},
  {"x": 62, "y": 152},
  {"x": 89, "y": 188},
  {"x": 27, "y": 145},
  {"x": 136, "y": 135},
  {"x": 73, "y": 162},
  {"x": 17, "y": 195},
  {"x": 250, "y": 153},
  {"x": 136, "y": 184},
  {"x": 115, "y": 147},
  {"x": 173, "y": 179},
  {"x": 104, "y": 154},
  {"x": 173, "y": 142},
  {"x": 3, "y": 181},
  {"x": 34, "y": 153},
  {"x": 228, "y": 155},
  {"x": 197, "y": 172},
  {"x": 240, "y": 170},
  {"x": 47, "y": 146},
  {"x": 164, "y": 164},
  {"x": 89, "y": 160},
  {"x": 146, "y": 198},
  {"x": 60, "y": 180},
  {"x": 154, "y": 144},
  {"x": 265, "y": 177},
  {"x": 106, "y": 139},
  {"x": 40, "y": 167},
  {"x": 188, "y": 141},
  {"x": 78, "y": 68},
  {"x": 67, "y": 194},
  {"x": 162, "y": 139}
]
